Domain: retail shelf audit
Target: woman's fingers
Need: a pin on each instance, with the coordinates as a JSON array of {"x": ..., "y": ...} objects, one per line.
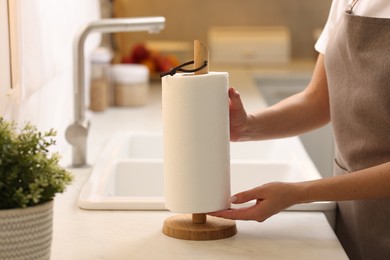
[
  {"x": 245, "y": 213},
  {"x": 237, "y": 113},
  {"x": 270, "y": 199},
  {"x": 246, "y": 196}
]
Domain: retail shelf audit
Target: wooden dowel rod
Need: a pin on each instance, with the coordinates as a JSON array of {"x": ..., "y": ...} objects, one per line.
[
  {"x": 201, "y": 54},
  {"x": 199, "y": 218}
]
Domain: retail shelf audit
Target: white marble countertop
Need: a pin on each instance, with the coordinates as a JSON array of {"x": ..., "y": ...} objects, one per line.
[
  {"x": 116, "y": 235},
  {"x": 81, "y": 234}
]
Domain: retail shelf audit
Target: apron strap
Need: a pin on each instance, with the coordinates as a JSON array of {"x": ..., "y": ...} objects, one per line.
[{"x": 350, "y": 6}]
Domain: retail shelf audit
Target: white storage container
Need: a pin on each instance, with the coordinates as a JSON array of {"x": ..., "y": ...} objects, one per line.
[
  {"x": 100, "y": 80},
  {"x": 131, "y": 84}
]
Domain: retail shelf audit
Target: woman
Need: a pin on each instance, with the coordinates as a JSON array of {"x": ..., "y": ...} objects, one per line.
[{"x": 351, "y": 88}]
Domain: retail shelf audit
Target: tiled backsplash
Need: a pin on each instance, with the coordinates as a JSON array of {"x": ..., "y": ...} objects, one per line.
[{"x": 190, "y": 19}]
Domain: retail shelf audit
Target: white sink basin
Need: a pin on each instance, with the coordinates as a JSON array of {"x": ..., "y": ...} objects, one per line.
[
  {"x": 149, "y": 145},
  {"x": 128, "y": 174}
]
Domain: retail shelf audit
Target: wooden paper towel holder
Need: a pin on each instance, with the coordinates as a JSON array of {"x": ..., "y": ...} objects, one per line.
[
  {"x": 184, "y": 227},
  {"x": 199, "y": 226}
]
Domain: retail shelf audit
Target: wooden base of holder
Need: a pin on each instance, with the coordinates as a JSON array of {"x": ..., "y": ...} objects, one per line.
[{"x": 182, "y": 227}]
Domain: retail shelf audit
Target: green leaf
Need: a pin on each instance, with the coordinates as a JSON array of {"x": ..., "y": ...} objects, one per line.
[{"x": 29, "y": 174}]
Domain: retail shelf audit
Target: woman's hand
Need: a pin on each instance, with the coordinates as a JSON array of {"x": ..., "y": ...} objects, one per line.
[
  {"x": 238, "y": 115},
  {"x": 271, "y": 198}
]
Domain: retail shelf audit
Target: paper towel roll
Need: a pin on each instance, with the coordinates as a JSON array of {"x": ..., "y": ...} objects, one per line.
[{"x": 196, "y": 142}]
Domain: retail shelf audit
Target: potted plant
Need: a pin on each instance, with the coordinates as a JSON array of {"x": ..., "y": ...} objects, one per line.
[{"x": 30, "y": 176}]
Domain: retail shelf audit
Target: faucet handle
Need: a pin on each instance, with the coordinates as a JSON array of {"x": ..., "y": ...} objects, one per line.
[{"x": 76, "y": 134}]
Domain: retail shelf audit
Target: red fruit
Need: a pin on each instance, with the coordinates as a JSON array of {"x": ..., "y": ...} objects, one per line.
[
  {"x": 162, "y": 64},
  {"x": 173, "y": 60},
  {"x": 165, "y": 63},
  {"x": 139, "y": 53},
  {"x": 150, "y": 64}
]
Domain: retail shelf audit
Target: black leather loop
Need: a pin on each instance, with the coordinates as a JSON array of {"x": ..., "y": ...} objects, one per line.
[{"x": 179, "y": 68}]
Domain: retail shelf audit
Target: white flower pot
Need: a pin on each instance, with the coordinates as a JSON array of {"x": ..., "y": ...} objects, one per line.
[{"x": 26, "y": 233}]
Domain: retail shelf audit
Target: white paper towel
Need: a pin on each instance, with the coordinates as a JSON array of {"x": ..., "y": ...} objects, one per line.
[{"x": 196, "y": 142}]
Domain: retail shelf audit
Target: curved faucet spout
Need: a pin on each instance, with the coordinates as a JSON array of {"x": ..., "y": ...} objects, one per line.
[{"x": 149, "y": 24}]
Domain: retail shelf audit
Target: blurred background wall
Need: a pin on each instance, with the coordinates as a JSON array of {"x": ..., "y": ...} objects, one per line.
[{"x": 190, "y": 19}]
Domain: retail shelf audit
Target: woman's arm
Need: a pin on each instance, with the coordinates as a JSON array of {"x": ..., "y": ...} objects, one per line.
[
  {"x": 369, "y": 183},
  {"x": 299, "y": 113}
]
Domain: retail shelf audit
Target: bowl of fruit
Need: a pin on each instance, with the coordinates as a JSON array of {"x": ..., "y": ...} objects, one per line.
[{"x": 157, "y": 59}]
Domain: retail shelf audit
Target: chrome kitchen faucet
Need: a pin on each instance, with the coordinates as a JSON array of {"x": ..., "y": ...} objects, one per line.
[{"x": 76, "y": 134}]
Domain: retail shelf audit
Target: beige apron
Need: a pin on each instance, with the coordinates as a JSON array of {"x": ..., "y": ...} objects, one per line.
[{"x": 357, "y": 63}]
